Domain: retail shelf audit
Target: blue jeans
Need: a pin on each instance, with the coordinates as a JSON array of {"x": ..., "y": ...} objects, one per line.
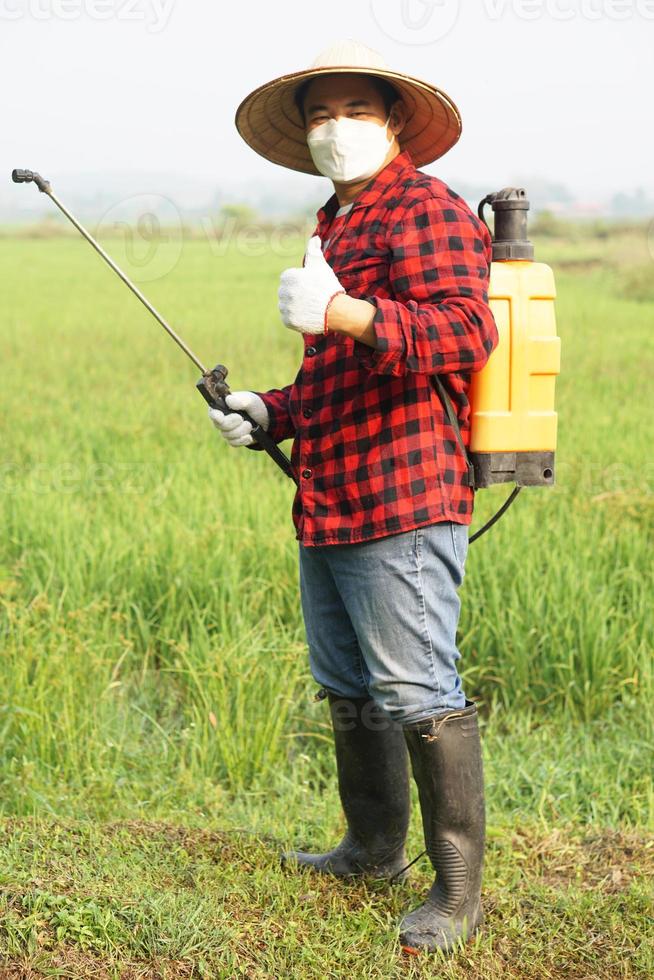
[{"x": 381, "y": 619}]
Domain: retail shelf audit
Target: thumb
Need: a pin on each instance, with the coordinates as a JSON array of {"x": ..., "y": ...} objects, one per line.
[{"x": 314, "y": 257}]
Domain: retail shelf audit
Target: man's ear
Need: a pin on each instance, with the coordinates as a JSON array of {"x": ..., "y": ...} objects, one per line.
[{"x": 397, "y": 117}]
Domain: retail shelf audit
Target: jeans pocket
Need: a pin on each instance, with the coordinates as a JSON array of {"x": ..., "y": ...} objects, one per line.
[{"x": 459, "y": 541}]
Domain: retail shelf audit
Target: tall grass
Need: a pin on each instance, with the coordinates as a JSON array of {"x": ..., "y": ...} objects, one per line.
[{"x": 151, "y": 635}]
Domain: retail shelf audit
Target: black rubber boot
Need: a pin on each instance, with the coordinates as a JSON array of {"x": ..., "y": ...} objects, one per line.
[
  {"x": 373, "y": 782},
  {"x": 446, "y": 759}
]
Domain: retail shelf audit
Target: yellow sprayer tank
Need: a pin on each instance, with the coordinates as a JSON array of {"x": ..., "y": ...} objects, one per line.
[{"x": 513, "y": 422}]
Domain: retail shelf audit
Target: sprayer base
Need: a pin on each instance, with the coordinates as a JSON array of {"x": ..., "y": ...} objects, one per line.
[{"x": 526, "y": 469}]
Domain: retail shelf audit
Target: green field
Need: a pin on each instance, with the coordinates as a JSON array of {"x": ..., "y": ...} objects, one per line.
[{"x": 159, "y": 738}]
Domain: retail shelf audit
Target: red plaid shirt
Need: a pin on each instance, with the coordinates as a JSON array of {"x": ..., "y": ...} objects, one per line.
[{"x": 372, "y": 446}]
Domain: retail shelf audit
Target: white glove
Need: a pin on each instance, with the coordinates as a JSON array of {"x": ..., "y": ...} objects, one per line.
[
  {"x": 304, "y": 294},
  {"x": 233, "y": 427}
]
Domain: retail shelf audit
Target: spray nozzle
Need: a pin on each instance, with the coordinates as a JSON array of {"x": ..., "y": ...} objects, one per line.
[{"x": 27, "y": 176}]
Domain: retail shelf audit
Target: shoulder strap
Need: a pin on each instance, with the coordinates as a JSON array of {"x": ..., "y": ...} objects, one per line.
[{"x": 446, "y": 401}]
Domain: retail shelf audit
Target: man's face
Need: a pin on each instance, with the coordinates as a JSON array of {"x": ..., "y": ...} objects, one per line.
[{"x": 351, "y": 95}]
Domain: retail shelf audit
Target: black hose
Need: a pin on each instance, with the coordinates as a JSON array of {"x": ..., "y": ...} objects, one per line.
[{"x": 496, "y": 516}]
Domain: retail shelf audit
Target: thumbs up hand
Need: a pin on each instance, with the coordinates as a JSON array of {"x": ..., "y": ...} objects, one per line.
[{"x": 305, "y": 294}]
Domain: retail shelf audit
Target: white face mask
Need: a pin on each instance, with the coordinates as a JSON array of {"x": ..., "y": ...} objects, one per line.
[{"x": 347, "y": 149}]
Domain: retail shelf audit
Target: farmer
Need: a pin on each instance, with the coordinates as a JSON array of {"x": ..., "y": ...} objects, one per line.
[{"x": 392, "y": 293}]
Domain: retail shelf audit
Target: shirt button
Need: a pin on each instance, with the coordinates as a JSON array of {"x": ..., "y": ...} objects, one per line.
[
  {"x": 307, "y": 413},
  {"x": 310, "y": 351},
  {"x": 306, "y": 474}
]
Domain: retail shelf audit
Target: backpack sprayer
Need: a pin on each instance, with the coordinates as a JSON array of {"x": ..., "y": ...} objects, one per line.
[
  {"x": 513, "y": 422},
  {"x": 512, "y": 417}
]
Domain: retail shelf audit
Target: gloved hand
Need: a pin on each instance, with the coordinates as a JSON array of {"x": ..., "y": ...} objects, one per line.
[
  {"x": 232, "y": 427},
  {"x": 305, "y": 294}
]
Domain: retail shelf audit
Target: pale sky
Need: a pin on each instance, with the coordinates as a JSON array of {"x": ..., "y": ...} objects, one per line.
[{"x": 560, "y": 89}]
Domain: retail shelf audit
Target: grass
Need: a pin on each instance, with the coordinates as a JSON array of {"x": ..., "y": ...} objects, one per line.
[
  {"x": 156, "y": 701},
  {"x": 148, "y": 899}
]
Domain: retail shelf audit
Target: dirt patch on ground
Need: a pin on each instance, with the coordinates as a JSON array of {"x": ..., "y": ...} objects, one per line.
[
  {"x": 75, "y": 965},
  {"x": 607, "y": 861}
]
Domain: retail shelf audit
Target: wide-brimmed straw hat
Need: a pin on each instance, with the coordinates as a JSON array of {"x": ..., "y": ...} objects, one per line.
[{"x": 270, "y": 122}]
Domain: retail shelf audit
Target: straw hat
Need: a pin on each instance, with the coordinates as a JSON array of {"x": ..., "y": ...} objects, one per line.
[{"x": 269, "y": 120}]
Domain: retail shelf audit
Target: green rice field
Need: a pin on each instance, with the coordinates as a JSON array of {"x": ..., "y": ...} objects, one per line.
[{"x": 159, "y": 741}]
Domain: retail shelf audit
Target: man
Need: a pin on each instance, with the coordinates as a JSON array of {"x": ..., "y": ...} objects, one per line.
[{"x": 391, "y": 297}]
